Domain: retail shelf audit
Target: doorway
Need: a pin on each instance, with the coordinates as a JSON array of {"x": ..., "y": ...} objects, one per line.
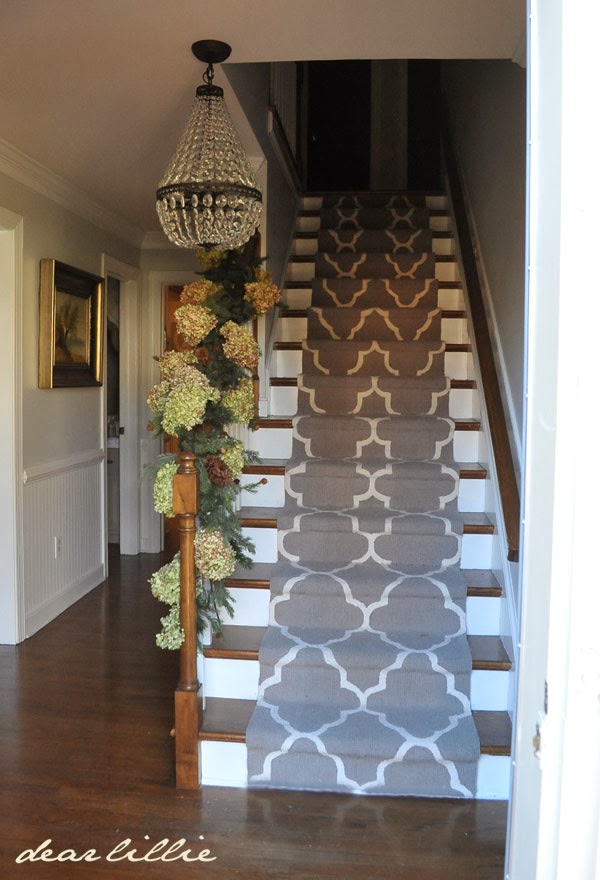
[
  {"x": 121, "y": 396},
  {"x": 113, "y": 482},
  {"x": 12, "y": 601},
  {"x": 338, "y": 130}
]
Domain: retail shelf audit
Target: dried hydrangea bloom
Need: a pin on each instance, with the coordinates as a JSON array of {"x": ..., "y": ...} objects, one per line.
[
  {"x": 239, "y": 345},
  {"x": 209, "y": 259},
  {"x": 171, "y": 361},
  {"x": 186, "y": 402},
  {"x": 171, "y": 636},
  {"x": 194, "y": 322},
  {"x": 214, "y": 556},
  {"x": 158, "y": 396},
  {"x": 164, "y": 583},
  {"x": 263, "y": 295},
  {"x": 198, "y": 291}
]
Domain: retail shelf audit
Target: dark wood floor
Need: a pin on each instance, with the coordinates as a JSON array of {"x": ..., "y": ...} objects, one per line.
[{"x": 86, "y": 761}]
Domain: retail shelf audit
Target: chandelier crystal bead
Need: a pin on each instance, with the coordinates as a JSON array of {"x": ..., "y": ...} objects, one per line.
[{"x": 208, "y": 196}]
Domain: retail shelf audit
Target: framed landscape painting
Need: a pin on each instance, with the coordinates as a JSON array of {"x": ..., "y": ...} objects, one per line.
[{"x": 71, "y": 326}]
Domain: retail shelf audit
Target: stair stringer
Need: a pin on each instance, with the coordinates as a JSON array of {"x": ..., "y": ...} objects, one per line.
[{"x": 506, "y": 572}]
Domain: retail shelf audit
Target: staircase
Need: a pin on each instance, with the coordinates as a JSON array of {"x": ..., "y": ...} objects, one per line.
[{"x": 229, "y": 669}]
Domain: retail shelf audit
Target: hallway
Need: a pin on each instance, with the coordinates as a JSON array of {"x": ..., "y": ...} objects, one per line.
[{"x": 86, "y": 761}]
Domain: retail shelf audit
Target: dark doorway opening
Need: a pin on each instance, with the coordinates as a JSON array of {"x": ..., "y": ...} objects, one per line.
[
  {"x": 424, "y": 130},
  {"x": 338, "y": 125}
]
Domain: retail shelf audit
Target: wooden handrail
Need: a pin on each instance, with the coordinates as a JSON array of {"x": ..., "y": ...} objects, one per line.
[
  {"x": 187, "y": 694},
  {"x": 509, "y": 491}
]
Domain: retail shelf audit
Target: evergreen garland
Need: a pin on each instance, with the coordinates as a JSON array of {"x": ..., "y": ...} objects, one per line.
[{"x": 238, "y": 291}]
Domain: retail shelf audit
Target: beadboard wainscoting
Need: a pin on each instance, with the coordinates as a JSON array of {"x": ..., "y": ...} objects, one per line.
[{"x": 64, "y": 528}]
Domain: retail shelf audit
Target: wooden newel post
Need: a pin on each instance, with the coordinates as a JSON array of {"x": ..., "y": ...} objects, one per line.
[{"x": 187, "y": 695}]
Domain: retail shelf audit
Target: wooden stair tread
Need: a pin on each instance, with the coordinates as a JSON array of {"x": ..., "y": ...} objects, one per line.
[
  {"x": 312, "y": 235},
  {"x": 286, "y": 422},
  {"x": 292, "y": 382},
  {"x": 266, "y": 467},
  {"x": 257, "y": 577},
  {"x": 480, "y": 583},
  {"x": 307, "y": 285},
  {"x": 266, "y": 518},
  {"x": 226, "y": 720},
  {"x": 236, "y": 643},
  {"x": 243, "y": 642},
  {"x": 303, "y": 313},
  {"x": 489, "y": 653},
  {"x": 276, "y": 467},
  {"x": 310, "y": 258},
  {"x": 297, "y": 346}
]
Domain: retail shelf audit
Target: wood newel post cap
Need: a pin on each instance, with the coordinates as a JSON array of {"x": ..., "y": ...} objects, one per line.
[{"x": 186, "y": 463}]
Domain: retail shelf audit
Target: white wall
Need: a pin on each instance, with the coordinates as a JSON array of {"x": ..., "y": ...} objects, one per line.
[
  {"x": 487, "y": 108},
  {"x": 61, "y": 454}
]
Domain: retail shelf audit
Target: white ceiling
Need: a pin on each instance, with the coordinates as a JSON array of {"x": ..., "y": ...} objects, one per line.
[{"x": 94, "y": 89}]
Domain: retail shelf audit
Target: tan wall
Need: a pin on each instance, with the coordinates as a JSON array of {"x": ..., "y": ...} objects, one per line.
[{"x": 487, "y": 106}]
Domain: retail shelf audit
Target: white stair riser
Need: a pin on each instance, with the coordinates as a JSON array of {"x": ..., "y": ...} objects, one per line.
[
  {"x": 301, "y": 297},
  {"x": 463, "y": 403},
  {"x": 251, "y": 608},
  {"x": 435, "y": 202},
  {"x": 238, "y": 680},
  {"x": 471, "y": 494},
  {"x": 277, "y": 443},
  {"x": 490, "y": 690},
  {"x": 476, "y": 550},
  {"x": 444, "y": 271},
  {"x": 308, "y": 247},
  {"x": 225, "y": 764},
  {"x": 288, "y": 364},
  {"x": 313, "y": 224},
  {"x": 494, "y": 777},
  {"x": 231, "y": 679},
  {"x": 454, "y": 330}
]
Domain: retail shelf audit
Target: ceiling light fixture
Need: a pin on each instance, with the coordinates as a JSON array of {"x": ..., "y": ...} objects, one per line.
[{"x": 208, "y": 196}]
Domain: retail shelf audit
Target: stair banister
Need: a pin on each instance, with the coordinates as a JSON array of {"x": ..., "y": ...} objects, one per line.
[
  {"x": 507, "y": 480},
  {"x": 187, "y": 704}
]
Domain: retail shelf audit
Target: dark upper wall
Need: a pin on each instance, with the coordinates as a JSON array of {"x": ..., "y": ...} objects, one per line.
[
  {"x": 251, "y": 83},
  {"x": 487, "y": 109}
]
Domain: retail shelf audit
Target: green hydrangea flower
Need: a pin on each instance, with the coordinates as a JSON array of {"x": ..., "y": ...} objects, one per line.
[
  {"x": 240, "y": 402},
  {"x": 164, "y": 583},
  {"x": 214, "y": 556},
  {"x": 163, "y": 488},
  {"x": 171, "y": 635},
  {"x": 234, "y": 458}
]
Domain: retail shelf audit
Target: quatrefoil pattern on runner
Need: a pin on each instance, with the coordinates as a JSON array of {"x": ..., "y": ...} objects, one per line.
[{"x": 365, "y": 666}]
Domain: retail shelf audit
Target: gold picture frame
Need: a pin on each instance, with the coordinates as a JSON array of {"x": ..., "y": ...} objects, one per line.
[{"x": 71, "y": 327}]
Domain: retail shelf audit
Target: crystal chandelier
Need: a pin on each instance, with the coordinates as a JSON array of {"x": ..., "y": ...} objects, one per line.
[{"x": 208, "y": 196}]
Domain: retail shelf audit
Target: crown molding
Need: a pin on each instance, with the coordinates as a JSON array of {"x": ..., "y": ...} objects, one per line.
[{"x": 40, "y": 179}]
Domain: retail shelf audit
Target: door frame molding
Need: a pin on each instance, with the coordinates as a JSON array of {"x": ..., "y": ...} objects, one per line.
[{"x": 12, "y": 581}]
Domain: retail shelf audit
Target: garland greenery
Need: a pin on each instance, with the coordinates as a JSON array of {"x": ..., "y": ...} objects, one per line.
[{"x": 203, "y": 390}]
